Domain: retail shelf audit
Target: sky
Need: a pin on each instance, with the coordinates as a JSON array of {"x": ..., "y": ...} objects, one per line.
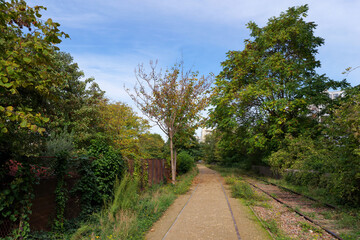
[{"x": 109, "y": 38}]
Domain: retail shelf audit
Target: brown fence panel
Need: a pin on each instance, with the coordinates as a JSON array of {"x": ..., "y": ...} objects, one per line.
[
  {"x": 156, "y": 169},
  {"x": 44, "y": 206}
]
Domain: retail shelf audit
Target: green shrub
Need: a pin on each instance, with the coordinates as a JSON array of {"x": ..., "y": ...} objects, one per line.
[
  {"x": 185, "y": 162},
  {"x": 98, "y": 176},
  {"x": 107, "y": 166}
]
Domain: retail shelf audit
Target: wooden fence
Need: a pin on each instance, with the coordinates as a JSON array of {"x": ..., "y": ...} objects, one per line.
[
  {"x": 157, "y": 170},
  {"x": 44, "y": 207}
]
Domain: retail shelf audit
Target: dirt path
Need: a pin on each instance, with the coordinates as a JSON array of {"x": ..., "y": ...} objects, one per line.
[{"x": 206, "y": 214}]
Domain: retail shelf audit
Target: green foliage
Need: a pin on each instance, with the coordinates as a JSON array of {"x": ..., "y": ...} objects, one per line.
[
  {"x": 211, "y": 147},
  {"x": 241, "y": 189},
  {"x": 26, "y": 65},
  {"x": 305, "y": 226},
  {"x": 76, "y": 103},
  {"x": 124, "y": 128},
  {"x": 87, "y": 188},
  {"x": 300, "y": 153},
  {"x": 107, "y": 166},
  {"x": 151, "y": 145},
  {"x": 58, "y": 143},
  {"x": 185, "y": 181},
  {"x": 61, "y": 193},
  {"x": 125, "y": 195},
  {"x": 264, "y": 91},
  {"x": 272, "y": 226},
  {"x": 174, "y": 102},
  {"x": 185, "y": 162},
  {"x": 16, "y": 200},
  {"x": 131, "y": 212}
]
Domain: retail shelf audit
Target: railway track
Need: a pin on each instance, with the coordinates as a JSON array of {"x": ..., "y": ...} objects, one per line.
[
  {"x": 289, "y": 190},
  {"x": 296, "y": 201}
]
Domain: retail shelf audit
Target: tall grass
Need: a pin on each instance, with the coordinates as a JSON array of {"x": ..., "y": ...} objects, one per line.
[{"x": 131, "y": 212}]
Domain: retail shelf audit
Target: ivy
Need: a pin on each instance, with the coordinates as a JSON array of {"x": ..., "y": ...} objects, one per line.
[
  {"x": 87, "y": 188},
  {"x": 61, "y": 193},
  {"x": 15, "y": 200}
]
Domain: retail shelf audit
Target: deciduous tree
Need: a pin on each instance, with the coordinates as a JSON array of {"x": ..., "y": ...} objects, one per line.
[
  {"x": 172, "y": 100},
  {"x": 267, "y": 88},
  {"x": 124, "y": 128}
]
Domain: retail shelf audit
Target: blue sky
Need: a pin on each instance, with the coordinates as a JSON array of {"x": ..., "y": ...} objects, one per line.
[{"x": 109, "y": 38}]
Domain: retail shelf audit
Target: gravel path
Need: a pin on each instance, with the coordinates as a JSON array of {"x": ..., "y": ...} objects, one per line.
[{"x": 206, "y": 214}]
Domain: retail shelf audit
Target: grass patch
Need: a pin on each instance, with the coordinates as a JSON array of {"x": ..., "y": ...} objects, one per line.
[
  {"x": 307, "y": 227},
  {"x": 272, "y": 226},
  {"x": 241, "y": 189},
  {"x": 132, "y": 213}
]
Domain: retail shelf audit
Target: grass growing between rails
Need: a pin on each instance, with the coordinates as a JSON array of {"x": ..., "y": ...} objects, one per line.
[
  {"x": 242, "y": 190},
  {"x": 131, "y": 214},
  {"x": 346, "y": 218}
]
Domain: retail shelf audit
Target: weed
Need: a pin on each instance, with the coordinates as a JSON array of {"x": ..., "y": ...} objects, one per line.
[
  {"x": 273, "y": 195},
  {"x": 307, "y": 227},
  {"x": 242, "y": 190},
  {"x": 310, "y": 214},
  {"x": 328, "y": 214},
  {"x": 230, "y": 180},
  {"x": 272, "y": 226}
]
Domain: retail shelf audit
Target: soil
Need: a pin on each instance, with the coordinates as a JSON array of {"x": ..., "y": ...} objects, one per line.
[{"x": 206, "y": 214}]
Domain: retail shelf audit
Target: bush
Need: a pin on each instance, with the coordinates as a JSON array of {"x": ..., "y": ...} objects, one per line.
[
  {"x": 98, "y": 175},
  {"x": 107, "y": 166},
  {"x": 185, "y": 162}
]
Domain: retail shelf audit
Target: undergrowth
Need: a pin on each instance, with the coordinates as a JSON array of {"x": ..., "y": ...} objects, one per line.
[{"x": 132, "y": 213}]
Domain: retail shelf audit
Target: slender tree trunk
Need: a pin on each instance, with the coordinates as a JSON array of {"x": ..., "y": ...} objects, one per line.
[
  {"x": 175, "y": 160},
  {"x": 173, "y": 164}
]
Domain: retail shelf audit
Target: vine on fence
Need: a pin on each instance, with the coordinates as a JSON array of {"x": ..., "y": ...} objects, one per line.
[
  {"x": 16, "y": 199},
  {"x": 61, "y": 193},
  {"x": 141, "y": 172}
]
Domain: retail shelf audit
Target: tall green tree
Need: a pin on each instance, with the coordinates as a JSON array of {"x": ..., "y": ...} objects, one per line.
[
  {"x": 27, "y": 65},
  {"x": 76, "y": 104},
  {"x": 267, "y": 88},
  {"x": 28, "y": 73}
]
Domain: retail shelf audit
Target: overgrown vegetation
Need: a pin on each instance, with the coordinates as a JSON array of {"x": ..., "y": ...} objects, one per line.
[
  {"x": 131, "y": 212},
  {"x": 270, "y": 107},
  {"x": 185, "y": 162}
]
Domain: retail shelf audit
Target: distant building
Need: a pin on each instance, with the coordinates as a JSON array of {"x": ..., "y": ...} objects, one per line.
[
  {"x": 335, "y": 94},
  {"x": 204, "y": 132},
  {"x": 317, "y": 109}
]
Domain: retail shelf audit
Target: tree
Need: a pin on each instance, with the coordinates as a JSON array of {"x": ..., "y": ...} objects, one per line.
[
  {"x": 210, "y": 147},
  {"x": 27, "y": 66},
  {"x": 151, "y": 145},
  {"x": 124, "y": 128},
  {"x": 27, "y": 74},
  {"x": 75, "y": 104},
  {"x": 173, "y": 100},
  {"x": 267, "y": 88}
]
